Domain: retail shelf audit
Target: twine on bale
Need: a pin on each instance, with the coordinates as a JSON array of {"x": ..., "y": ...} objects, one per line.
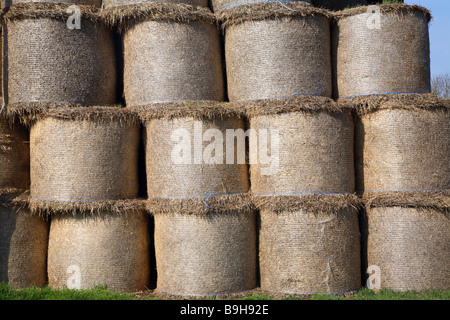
[
  {"x": 274, "y": 52},
  {"x": 402, "y": 143},
  {"x": 306, "y": 251},
  {"x": 314, "y": 154},
  {"x": 410, "y": 245},
  {"x": 206, "y": 255},
  {"x": 23, "y": 245},
  {"x": 393, "y": 57},
  {"x": 86, "y": 154},
  {"x": 14, "y": 157},
  {"x": 37, "y": 36},
  {"x": 106, "y": 249}
]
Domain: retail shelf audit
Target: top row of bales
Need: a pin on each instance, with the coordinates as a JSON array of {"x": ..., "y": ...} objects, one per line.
[{"x": 173, "y": 53}]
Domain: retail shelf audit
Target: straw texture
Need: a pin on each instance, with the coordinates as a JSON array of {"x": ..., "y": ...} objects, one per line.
[
  {"x": 302, "y": 252},
  {"x": 206, "y": 255},
  {"x": 48, "y": 62},
  {"x": 219, "y": 5},
  {"x": 172, "y": 175},
  {"x": 169, "y": 59},
  {"x": 272, "y": 52},
  {"x": 403, "y": 149},
  {"x": 314, "y": 154},
  {"x": 14, "y": 156},
  {"x": 109, "y": 249},
  {"x": 96, "y": 3},
  {"x": 23, "y": 247},
  {"x": 117, "y": 3},
  {"x": 394, "y": 58},
  {"x": 410, "y": 245},
  {"x": 84, "y": 159},
  {"x": 337, "y": 4}
]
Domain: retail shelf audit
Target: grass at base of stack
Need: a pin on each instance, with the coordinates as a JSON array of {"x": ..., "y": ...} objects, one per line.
[{"x": 102, "y": 293}]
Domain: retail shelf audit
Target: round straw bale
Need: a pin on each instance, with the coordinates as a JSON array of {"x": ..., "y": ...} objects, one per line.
[
  {"x": 23, "y": 247},
  {"x": 309, "y": 251},
  {"x": 219, "y": 5},
  {"x": 381, "y": 52},
  {"x": 172, "y": 54},
  {"x": 190, "y": 158},
  {"x": 84, "y": 158},
  {"x": 274, "y": 52},
  {"x": 403, "y": 149},
  {"x": 103, "y": 249},
  {"x": 338, "y": 4},
  {"x": 48, "y": 62},
  {"x": 205, "y": 255},
  {"x": 411, "y": 246},
  {"x": 14, "y": 156},
  {"x": 301, "y": 152}
]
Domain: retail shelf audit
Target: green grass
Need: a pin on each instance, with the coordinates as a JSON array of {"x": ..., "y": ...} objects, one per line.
[{"x": 101, "y": 293}]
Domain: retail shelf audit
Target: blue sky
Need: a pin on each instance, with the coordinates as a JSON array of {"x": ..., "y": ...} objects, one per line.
[{"x": 439, "y": 33}]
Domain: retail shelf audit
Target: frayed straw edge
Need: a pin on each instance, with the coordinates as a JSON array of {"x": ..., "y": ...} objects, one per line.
[
  {"x": 124, "y": 17},
  {"x": 439, "y": 199},
  {"x": 400, "y": 8},
  {"x": 207, "y": 206},
  {"x": 28, "y": 113},
  {"x": 309, "y": 203},
  {"x": 268, "y": 11}
]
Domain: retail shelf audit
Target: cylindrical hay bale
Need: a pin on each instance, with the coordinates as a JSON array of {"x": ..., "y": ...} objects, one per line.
[
  {"x": 295, "y": 150},
  {"x": 385, "y": 51},
  {"x": 23, "y": 247},
  {"x": 410, "y": 246},
  {"x": 274, "y": 52},
  {"x": 96, "y": 3},
  {"x": 307, "y": 252},
  {"x": 51, "y": 60},
  {"x": 205, "y": 255},
  {"x": 118, "y": 3},
  {"x": 171, "y": 54},
  {"x": 403, "y": 145},
  {"x": 190, "y": 158},
  {"x": 219, "y": 5},
  {"x": 338, "y": 4},
  {"x": 103, "y": 249},
  {"x": 84, "y": 156},
  {"x": 14, "y": 156}
]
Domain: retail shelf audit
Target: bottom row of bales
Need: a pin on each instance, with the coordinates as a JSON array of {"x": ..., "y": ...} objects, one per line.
[{"x": 295, "y": 230}]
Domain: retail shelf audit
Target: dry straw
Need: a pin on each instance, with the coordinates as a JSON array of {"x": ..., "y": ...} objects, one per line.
[
  {"x": 272, "y": 51},
  {"x": 392, "y": 57},
  {"x": 48, "y": 62},
  {"x": 194, "y": 184},
  {"x": 219, "y": 5},
  {"x": 315, "y": 151},
  {"x": 84, "y": 154},
  {"x": 23, "y": 246},
  {"x": 338, "y": 4},
  {"x": 96, "y": 3},
  {"x": 206, "y": 255},
  {"x": 119, "y": 3},
  {"x": 172, "y": 53},
  {"x": 411, "y": 246},
  {"x": 310, "y": 251},
  {"x": 402, "y": 143},
  {"x": 105, "y": 249},
  {"x": 14, "y": 156}
]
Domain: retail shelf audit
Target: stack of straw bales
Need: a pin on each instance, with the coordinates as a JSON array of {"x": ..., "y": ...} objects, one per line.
[
  {"x": 61, "y": 82},
  {"x": 205, "y": 230},
  {"x": 402, "y": 144}
]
